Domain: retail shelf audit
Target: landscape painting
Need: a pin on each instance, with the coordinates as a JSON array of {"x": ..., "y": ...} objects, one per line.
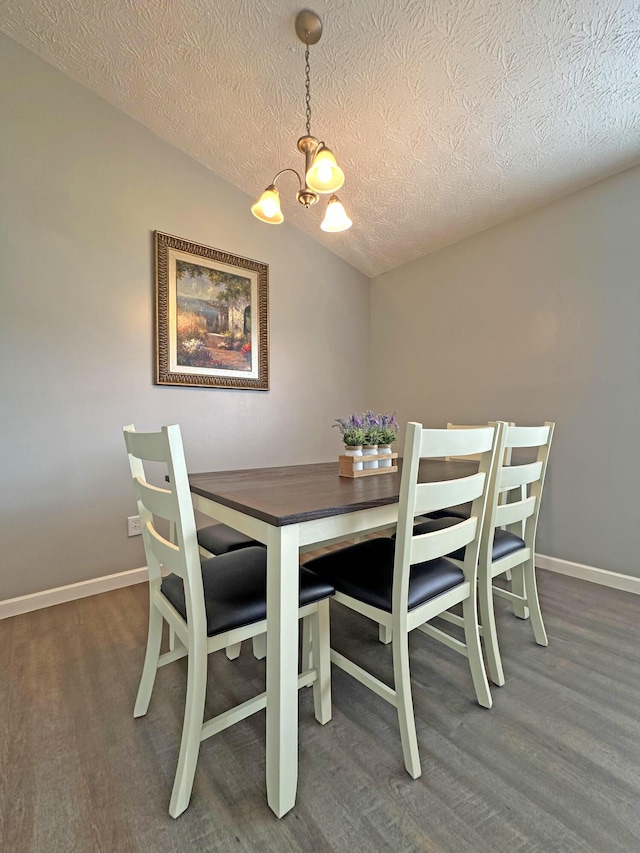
[{"x": 211, "y": 317}]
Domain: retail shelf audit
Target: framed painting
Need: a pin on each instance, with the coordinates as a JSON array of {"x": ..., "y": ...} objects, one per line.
[{"x": 211, "y": 317}]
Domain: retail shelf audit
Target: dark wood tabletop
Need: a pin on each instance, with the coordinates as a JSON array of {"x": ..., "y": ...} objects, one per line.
[{"x": 297, "y": 493}]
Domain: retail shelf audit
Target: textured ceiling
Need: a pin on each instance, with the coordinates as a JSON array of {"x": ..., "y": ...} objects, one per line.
[{"x": 447, "y": 116}]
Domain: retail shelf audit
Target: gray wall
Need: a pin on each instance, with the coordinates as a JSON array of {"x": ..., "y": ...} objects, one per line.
[
  {"x": 537, "y": 319},
  {"x": 83, "y": 187}
]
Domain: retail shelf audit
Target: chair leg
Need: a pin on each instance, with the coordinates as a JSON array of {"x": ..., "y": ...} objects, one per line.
[
  {"x": 385, "y": 634},
  {"x": 307, "y": 645},
  {"x": 474, "y": 651},
  {"x": 233, "y": 651},
  {"x": 172, "y": 638},
  {"x": 259, "y": 643},
  {"x": 319, "y": 625},
  {"x": 489, "y": 633},
  {"x": 150, "y": 667},
  {"x": 519, "y": 587},
  {"x": 534, "y": 603},
  {"x": 406, "y": 719},
  {"x": 191, "y": 729}
]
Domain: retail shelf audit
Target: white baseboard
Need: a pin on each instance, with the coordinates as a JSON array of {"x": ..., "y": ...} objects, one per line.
[
  {"x": 615, "y": 580},
  {"x": 60, "y": 594}
]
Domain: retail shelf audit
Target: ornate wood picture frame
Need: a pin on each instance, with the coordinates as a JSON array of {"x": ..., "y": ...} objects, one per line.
[{"x": 211, "y": 317}]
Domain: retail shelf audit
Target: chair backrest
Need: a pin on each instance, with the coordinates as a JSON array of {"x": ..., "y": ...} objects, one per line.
[
  {"x": 422, "y": 498},
  {"x": 521, "y": 483},
  {"x": 174, "y": 505}
]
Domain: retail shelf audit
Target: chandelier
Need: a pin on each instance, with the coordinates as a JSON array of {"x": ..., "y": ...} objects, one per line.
[{"x": 322, "y": 175}]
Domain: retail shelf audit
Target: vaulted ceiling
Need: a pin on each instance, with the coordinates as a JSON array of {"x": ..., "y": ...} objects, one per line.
[{"x": 447, "y": 116}]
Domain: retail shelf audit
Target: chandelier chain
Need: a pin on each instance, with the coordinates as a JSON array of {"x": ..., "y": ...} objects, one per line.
[{"x": 307, "y": 69}]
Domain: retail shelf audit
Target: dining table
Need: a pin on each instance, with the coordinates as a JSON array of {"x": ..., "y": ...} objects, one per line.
[{"x": 294, "y": 509}]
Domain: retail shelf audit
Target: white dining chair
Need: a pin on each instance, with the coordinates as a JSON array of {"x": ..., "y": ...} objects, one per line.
[
  {"x": 404, "y": 583},
  {"x": 509, "y": 538},
  {"x": 514, "y": 524},
  {"x": 461, "y": 511},
  {"x": 210, "y": 606}
]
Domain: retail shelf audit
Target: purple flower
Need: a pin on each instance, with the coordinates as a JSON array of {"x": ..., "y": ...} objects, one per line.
[
  {"x": 388, "y": 428},
  {"x": 351, "y": 429},
  {"x": 368, "y": 428}
]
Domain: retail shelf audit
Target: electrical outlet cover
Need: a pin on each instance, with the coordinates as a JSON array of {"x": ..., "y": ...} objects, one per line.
[{"x": 133, "y": 526}]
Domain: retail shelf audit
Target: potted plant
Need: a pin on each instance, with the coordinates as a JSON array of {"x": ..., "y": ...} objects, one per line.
[
  {"x": 371, "y": 437},
  {"x": 387, "y": 434},
  {"x": 353, "y": 432}
]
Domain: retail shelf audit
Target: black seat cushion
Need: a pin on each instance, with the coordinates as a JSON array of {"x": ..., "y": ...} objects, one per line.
[
  {"x": 365, "y": 571},
  {"x": 220, "y": 539},
  {"x": 504, "y": 542},
  {"x": 235, "y": 589},
  {"x": 459, "y": 511}
]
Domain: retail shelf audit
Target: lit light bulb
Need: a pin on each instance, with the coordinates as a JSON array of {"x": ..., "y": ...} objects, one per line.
[
  {"x": 335, "y": 219},
  {"x": 267, "y": 208},
  {"x": 324, "y": 175}
]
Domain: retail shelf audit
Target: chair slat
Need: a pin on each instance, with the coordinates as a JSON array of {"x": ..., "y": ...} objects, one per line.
[
  {"x": 166, "y": 552},
  {"x": 527, "y": 436},
  {"x": 456, "y": 442},
  {"x": 434, "y": 496},
  {"x": 150, "y": 446},
  {"x": 158, "y": 501},
  {"x": 439, "y": 543},
  {"x": 519, "y": 475},
  {"x": 478, "y": 456},
  {"x": 517, "y": 511}
]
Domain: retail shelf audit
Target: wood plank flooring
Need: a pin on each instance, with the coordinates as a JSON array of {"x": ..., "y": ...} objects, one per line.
[{"x": 554, "y": 766}]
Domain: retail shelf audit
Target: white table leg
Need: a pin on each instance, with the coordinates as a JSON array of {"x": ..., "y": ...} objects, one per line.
[{"x": 282, "y": 667}]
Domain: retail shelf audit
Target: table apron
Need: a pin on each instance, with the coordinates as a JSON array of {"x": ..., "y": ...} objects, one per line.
[
  {"x": 323, "y": 531},
  {"x": 254, "y": 527},
  {"x": 314, "y": 533}
]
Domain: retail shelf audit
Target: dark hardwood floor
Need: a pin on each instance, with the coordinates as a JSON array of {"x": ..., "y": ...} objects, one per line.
[{"x": 554, "y": 766}]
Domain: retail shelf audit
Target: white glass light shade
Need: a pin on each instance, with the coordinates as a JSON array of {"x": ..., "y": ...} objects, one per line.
[
  {"x": 324, "y": 175},
  {"x": 335, "y": 219},
  {"x": 267, "y": 208}
]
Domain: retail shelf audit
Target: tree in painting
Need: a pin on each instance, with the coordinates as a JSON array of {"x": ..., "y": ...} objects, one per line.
[{"x": 213, "y": 318}]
